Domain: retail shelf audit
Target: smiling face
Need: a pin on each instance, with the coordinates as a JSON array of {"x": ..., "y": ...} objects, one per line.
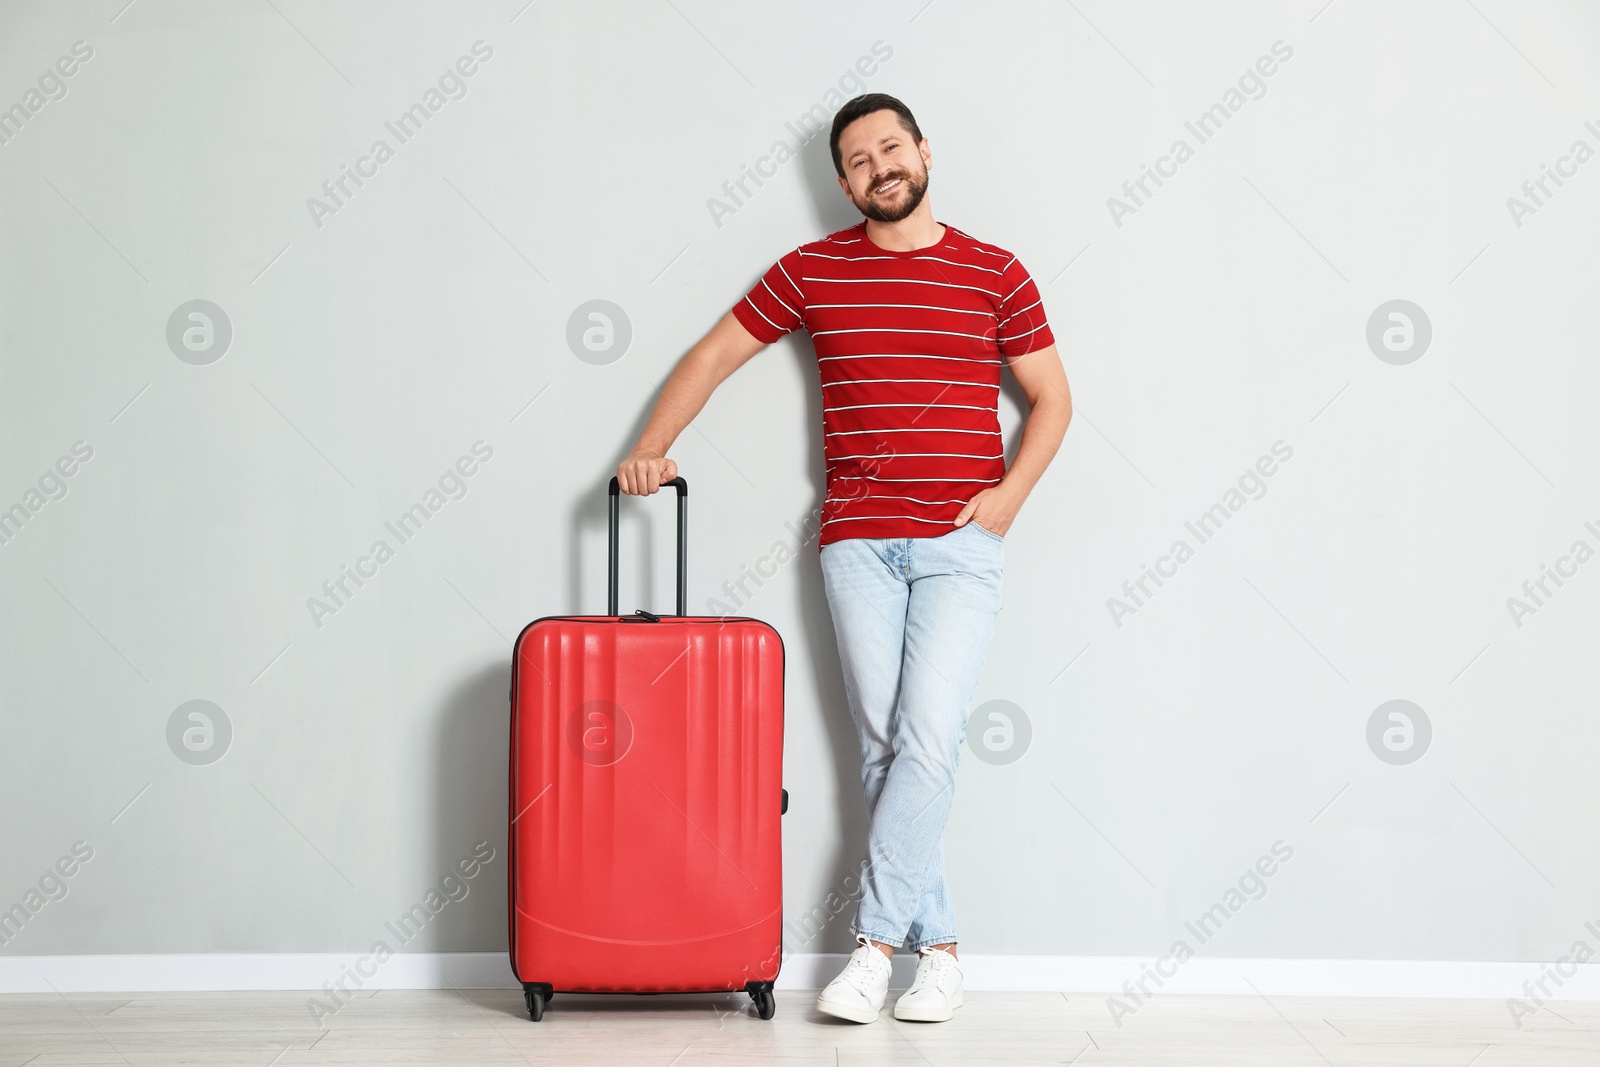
[{"x": 885, "y": 172}]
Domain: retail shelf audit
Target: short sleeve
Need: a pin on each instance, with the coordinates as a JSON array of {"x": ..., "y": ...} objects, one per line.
[
  {"x": 1023, "y": 326},
  {"x": 775, "y": 305}
]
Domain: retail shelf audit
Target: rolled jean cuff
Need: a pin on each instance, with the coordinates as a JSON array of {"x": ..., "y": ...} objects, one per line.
[
  {"x": 918, "y": 946},
  {"x": 897, "y": 942}
]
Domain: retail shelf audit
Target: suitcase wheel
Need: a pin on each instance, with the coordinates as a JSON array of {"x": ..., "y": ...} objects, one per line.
[
  {"x": 761, "y": 993},
  {"x": 536, "y": 995}
]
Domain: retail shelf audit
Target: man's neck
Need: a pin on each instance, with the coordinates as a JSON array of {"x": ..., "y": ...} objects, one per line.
[{"x": 916, "y": 230}]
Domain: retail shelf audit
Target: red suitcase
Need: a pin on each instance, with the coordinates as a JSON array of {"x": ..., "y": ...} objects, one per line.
[{"x": 646, "y": 793}]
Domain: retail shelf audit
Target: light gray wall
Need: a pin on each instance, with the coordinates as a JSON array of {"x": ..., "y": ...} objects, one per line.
[{"x": 1170, "y": 748}]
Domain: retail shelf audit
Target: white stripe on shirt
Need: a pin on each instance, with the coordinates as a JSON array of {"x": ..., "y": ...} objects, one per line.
[
  {"x": 758, "y": 311},
  {"x": 913, "y": 429},
  {"x": 905, "y": 355},
  {"x": 913, "y": 518},
  {"x": 865, "y": 478},
  {"x": 931, "y": 381},
  {"x": 1019, "y": 311},
  {"x": 983, "y": 251},
  {"x": 921, "y": 307},
  {"x": 916, "y": 455},
  {"x": 791, "y": 280},
  {"x": 920, "y": 259},
  {"x": 887, "y": 496},
  {"x": 1025, "y": 333},
  {"x": 899, "y": 329},
  {"x": 901, "y": 281},
  {"x": 779, "y": 299},
  {"x": 854, "y": 407}
]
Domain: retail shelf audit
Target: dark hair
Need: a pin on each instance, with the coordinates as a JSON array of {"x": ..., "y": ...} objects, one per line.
[{"x": 866, "y": 104}]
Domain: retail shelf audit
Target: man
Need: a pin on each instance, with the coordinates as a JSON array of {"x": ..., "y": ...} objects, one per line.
[{"x": 911, "y": 320}]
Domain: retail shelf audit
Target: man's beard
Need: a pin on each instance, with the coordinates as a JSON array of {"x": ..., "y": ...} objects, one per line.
[{"x": 917, "y": 190}]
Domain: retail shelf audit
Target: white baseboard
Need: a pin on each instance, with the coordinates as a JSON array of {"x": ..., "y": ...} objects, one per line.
[
  {"x": 253, "y": 971},
  {"x": 1104, "y": 975}
]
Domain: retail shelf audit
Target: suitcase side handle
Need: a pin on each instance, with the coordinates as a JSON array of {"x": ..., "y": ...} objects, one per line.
[{"x": 683, "y": 556}]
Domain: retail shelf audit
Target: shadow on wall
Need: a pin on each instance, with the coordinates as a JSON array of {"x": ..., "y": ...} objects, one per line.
[
  {"x": 833, "y": 209},
  {"x": 470, "y": 808}
]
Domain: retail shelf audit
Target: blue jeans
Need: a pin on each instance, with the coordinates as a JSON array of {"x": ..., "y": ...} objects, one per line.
[{"x": 913, "y": 617}]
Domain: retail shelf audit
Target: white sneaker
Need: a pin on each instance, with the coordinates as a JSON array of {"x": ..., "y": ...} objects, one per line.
[
  {"x": 936, "y": 993},
  {"x": 857, "y": 994}
]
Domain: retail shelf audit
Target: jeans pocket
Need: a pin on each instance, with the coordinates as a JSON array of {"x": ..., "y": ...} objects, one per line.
[{"x": 990, "y": 533}]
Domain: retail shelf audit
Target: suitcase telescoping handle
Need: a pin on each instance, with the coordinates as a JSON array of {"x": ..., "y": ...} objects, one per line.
[{"x": 683, "y": 529}]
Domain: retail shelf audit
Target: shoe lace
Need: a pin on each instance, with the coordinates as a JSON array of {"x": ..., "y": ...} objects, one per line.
[
  {"x": 933, "y": 963},
  {"x": 858, "y": 973}
]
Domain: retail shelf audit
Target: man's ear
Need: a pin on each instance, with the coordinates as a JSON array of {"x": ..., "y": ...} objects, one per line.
[
  {"x": 845, "y": 186},
  {"x": 927, "y": 154}
]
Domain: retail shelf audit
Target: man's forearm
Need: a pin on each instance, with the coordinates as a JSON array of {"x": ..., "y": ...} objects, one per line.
[
  {"x": 1042, "y": 433},
  {"x": 688, "y": 388}
]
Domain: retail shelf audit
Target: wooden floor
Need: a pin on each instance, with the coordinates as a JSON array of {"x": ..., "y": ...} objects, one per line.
[{"x": 490, "y": 1027}]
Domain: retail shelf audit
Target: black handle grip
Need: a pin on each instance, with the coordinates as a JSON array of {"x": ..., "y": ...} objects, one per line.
[{"x": 683, "y": 551}]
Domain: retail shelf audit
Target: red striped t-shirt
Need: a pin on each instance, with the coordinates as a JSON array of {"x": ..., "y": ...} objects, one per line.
[{"x": 909, "y": 346}]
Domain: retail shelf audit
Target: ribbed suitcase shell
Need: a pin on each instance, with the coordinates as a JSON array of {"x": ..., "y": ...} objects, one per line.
[{"x": 650, "y": 862}]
